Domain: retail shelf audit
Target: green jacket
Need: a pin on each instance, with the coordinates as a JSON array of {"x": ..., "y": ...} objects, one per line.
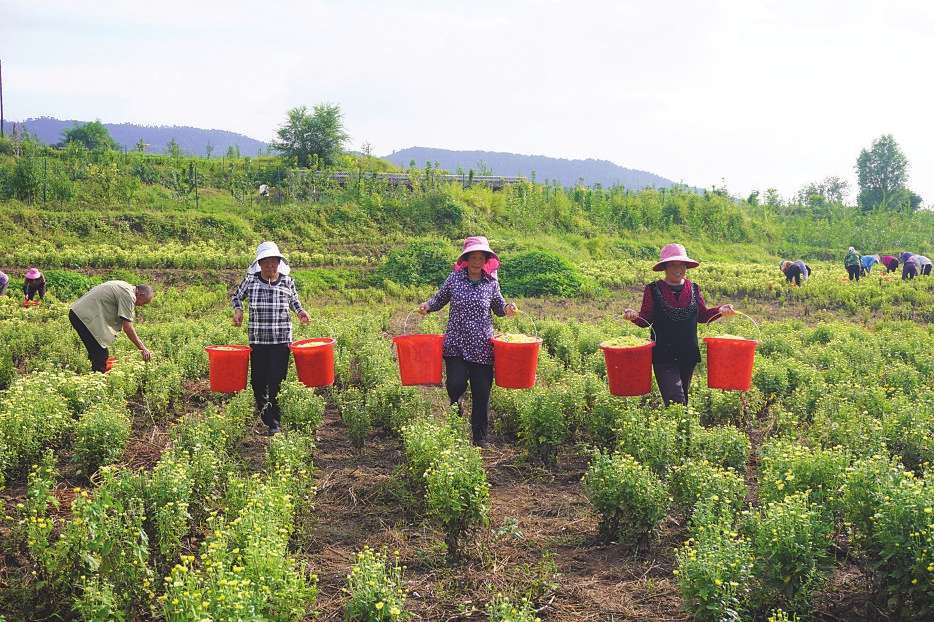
[{"x": 851, "y": 259}]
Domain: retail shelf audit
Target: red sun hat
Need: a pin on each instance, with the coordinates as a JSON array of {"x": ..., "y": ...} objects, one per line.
[{"x": 674, "y": 252}]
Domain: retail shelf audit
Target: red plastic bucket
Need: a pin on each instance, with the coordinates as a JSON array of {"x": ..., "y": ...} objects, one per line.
[
  {"x": 228, "y": 366},
  {"x": 419, "y": 358},
  {"x": 514, "y": 364},
  {"x": 729, "y": 363},
  {"x": 110, "y": 363},
  {"x": 314, "y": 361},
  {"x": 629, "y": 370}
]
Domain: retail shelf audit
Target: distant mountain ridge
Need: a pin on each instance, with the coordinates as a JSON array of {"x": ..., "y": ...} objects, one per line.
[
  {"x": 567, "y": 172},
  {"x": 194, "y": 141},
  {"x": 191, "y": 140}
]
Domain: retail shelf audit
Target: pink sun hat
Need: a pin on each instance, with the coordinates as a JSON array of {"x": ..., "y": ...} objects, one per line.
[
  {"x": 33, "y": 273},
  {"x": 478, "y": 243},
  {"x": 674, "y": 252}
]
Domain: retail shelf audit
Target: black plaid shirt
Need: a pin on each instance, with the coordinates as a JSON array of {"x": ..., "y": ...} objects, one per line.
[{"x": 269, "y": 321}]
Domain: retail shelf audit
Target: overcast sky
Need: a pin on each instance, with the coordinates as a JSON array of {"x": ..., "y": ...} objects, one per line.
[{"x": 750, "y": 94}]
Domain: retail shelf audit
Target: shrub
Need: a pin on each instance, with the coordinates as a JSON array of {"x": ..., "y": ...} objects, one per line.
[
  {"x": 696, "y": 480},
  {"x": 506, "y": 407},
  {"x": 715, "y": 572},
  {"x": 723, "y": 445},
  {"x": 423, "y": 262},
  {"x": 869, "y": 483},
  {"x": 302, "y": 408},
  {"x": 790, "y": 542},
  {"x": 457, "y": 495},
  {"x": 501, "y": 609},
  {"x": 900, "y": 545},
  {"x": 392, "y": 406},
  {"x": 100, "y": 436},
  {"x": 425, "y": 439},
  {"x": 169, "y": 495},
  {"x": 375, "y": 588},
  {"x": 162, "y": 386},
  {"x": 539, "y": 273},
  {"x": 244, "y": 563},
  {"x": 289, "y": 462},
  {"x": 69, "y": 285},
  {"x": 355, "y": 416},
  {"x": 629, "y": 498},
  {"x": 787, "y": 467},
  {"x": 654, "y": 438},
  {"x": 543, "y": 421}
]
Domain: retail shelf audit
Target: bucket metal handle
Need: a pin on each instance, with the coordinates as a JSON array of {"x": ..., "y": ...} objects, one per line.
[
  {"x": 405, "y": 324},
  {"x": 758, "y": 330},
  {"x": 650, "y": 326},
  {"x": 534, "y": 327},
  {"x": 217, "y": 328},
  {"x": 302, "y": 326}
]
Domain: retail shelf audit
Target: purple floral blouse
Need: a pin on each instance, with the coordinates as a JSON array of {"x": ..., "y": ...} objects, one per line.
[{"x": 470, "y": 324}]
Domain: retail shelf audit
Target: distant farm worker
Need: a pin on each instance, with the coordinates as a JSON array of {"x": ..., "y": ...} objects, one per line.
[
  {"x": 33, "y": 284},
  {"x": 890, "y": 263},
  {"x": 101, "y": 314},
  {"x": 867, "y": 262},
  {"x": 796, "y": 272},
  {"x": 473, "y": 291},
  {"x": 909, "y": 266},
  {"x": 673, "y": 306},
  {"x": 4, "y": 282},
  {"x": 852, "y": 263},
  {"x": 271, "y": 292},
  {"x": 924, "y": 265}
]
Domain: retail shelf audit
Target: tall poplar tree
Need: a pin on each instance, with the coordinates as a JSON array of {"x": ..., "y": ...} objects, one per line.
[{"x": 882, "y": 174}]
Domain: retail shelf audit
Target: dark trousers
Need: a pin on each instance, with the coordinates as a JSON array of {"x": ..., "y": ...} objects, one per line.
[
  {"x": 925, "y": 270},
  {"x": 96, "y": 354},
  {"x": 674, "y": 381},
  {"x": 480, "y": 377},
  {"x": 854, "y": 271},
  {"x": 29, "y": 292},
  {"x": 269, "y": 365},
  {"x": 909, "y": 270}
]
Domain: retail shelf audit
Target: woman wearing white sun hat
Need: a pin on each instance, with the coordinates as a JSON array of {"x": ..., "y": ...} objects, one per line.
[
  {"x": 272, "y": 294},
  {"x": 673, "y": 306}
]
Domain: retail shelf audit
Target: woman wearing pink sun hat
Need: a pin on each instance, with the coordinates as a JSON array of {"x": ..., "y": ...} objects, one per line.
[
  {"x": 673, "y": 306},
  {"x": 33, "y": 283},
  {"x": 473, "y": 291}
]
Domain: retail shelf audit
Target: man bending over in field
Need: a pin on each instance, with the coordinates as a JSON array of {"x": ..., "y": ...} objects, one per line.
[{"x": 101, "y": 314}]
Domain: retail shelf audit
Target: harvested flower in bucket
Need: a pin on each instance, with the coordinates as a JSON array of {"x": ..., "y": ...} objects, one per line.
[
  {"x": 310, "y": 344},
  {"x": 515, "y": 338},
  {"x": 729, "y": 337},
  {"x": 225, "y": 348},
  {"x": 626, "y": 341}
]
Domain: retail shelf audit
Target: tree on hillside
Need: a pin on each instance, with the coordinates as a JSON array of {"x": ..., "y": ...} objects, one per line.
[
  {"x": 832, "y": 190},
  {"x": 92, "y": 135},
  {"x": 312, "y": 139},
  {"x": 882, "y": 173}
]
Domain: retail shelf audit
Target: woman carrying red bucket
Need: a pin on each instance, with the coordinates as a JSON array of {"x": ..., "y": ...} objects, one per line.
[
  {"x": 271, "y": 293},
  {"x": 673, "y": 306},
  {"x": 473, "y": 291}
]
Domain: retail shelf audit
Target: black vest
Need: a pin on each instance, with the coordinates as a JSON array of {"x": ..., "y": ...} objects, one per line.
[{"x": 675, "y": 329}]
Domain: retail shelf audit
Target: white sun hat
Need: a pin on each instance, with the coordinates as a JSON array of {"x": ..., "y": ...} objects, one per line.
[{"x": 269, "y": 249}]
